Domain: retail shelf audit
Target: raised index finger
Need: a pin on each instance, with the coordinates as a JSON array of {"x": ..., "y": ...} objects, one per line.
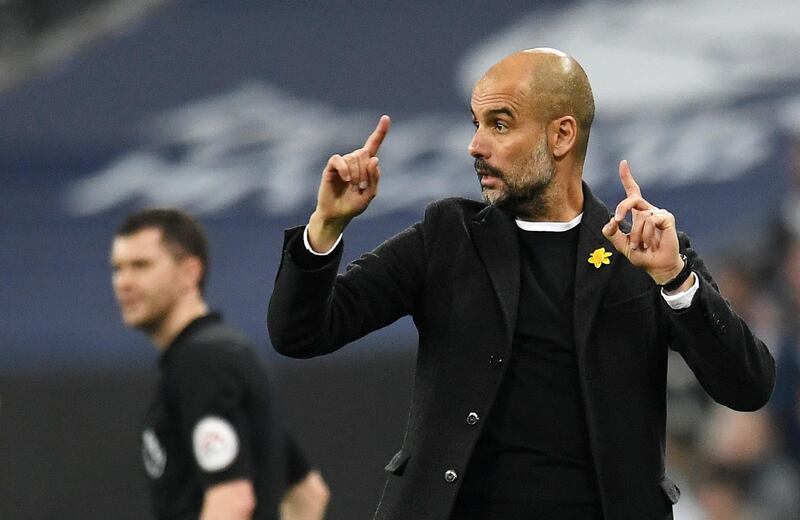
[
  {"x": 631, "y": 188},
  {"x": 375, "y": 139}
]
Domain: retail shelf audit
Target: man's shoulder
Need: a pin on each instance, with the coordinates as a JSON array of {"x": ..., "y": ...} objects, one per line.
[{"x": 214, "y": 343}]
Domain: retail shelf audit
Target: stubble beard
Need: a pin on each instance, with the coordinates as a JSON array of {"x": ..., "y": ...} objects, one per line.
[
  {"x": 526, "y": 192},
  {"x": 151, "y": 319},
  {"x": 151, "y": 325},
  {"x": 147, "y": 324}
]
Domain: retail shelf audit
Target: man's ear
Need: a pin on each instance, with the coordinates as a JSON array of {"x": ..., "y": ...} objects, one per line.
[
  {"x": 192, "y": 270},
  {"x": 562, "y": 134}
]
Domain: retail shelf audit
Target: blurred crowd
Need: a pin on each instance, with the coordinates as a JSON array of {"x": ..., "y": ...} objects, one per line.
[{"x": 746, "y": 465}]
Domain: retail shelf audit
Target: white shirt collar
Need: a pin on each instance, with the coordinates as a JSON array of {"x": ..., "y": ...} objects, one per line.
[{"x": 549, "y": 226}]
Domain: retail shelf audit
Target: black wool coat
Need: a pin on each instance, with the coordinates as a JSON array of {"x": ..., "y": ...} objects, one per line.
[{"x": 457, "y": 273}]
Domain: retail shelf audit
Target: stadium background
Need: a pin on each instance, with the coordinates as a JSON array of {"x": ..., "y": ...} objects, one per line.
[{"x": 230, "y": 110}]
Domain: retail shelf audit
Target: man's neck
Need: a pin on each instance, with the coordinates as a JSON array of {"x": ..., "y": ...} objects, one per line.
[
  {"x": 181, "y": 316},
  {"x": 563, "y": 201}
]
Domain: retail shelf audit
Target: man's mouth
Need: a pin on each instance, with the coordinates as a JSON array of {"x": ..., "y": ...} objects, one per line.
[
  {"x": 128, "y": 303},
  {"x": 488, "y": 181},
  {"x": 486, "y": 172},
  {"x": 488, "y": 177}
]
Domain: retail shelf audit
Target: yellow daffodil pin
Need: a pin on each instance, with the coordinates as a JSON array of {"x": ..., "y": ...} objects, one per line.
[{"x": 600, "y": 257}]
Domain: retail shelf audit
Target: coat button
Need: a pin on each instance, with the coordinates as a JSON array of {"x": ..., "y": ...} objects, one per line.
[
  {"x": 472, "y": 418},
  {"x": 495, "y": 361},
  {"x": 720, "y": 325},
  {"x": 450, "y": 475}
]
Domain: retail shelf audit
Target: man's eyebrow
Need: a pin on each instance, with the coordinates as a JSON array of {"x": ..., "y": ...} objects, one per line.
[
  {"x": 495, "y": 112},
  {"x": 502, "y": 110}
]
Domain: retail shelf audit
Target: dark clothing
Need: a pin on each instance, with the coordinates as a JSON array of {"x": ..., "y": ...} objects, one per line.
[
  {"x": 457, "y": 273},
  {"x": 523, "y": 510},
  {"x": 211, "y": 421},
  {"x": 785, "y": 405},
  {"x": 534, "y": 449}
]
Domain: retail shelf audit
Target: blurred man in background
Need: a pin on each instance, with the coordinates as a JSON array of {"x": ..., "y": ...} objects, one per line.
[
  {"x": 786, "y": 404},
  {"x": 211, "y": 445}
]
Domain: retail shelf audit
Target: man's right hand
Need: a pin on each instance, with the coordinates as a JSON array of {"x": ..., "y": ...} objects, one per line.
[{"x": 349, "y": 183}]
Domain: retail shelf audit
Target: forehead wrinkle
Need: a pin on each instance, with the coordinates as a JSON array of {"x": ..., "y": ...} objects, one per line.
[
  {"x": 503, "y": 87},
  {"x": 495, "y": 101}
]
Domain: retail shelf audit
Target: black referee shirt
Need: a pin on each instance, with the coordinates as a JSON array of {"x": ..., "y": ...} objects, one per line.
[{"x": 211, "y": 421}]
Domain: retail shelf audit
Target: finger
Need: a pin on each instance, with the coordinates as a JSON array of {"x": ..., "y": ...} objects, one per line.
[
  {"x": 615, "y": 235},
  {"x": 656, "y": 239},
  {"x": 629, "y": 204},
  {"x": 610, "y": 228},
  {"x": 648, "y": 232},
  {"x": 352, "y": 166},
  {"x": 662, "y": 221},
  {"x": 337, "y": 167},
  {"x": 374, "y": 173},
  {"x": 363, "y": 168},
  {"x": 635, "y": 234},
  {"x": 375, "y": 139},
  {"x": 625, "y": 175}
]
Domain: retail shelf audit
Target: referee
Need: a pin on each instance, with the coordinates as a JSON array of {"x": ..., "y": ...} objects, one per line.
[{"x": 210, "y": 444}]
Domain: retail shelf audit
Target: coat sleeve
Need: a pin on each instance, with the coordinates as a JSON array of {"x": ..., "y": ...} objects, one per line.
[
  {"x": 733, "y": 366},
  {"x": 316, "y": 311}
]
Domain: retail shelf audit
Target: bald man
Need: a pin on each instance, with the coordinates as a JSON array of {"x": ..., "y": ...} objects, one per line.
[{"x": 544, "y": 320}]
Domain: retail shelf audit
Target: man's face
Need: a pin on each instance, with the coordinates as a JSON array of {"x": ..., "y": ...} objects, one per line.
[
  {"x": 512, "y": 158},
  {"x": 147, "y": 277}
]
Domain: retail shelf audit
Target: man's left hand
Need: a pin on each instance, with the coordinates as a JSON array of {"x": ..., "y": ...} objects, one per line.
[{"x": 652, "y": 243}]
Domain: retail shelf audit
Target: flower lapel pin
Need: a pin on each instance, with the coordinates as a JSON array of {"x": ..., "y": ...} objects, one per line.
[{"x": 599, "y": 257}]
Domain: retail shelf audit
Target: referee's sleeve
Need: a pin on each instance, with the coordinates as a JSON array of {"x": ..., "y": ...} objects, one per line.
[
  {"x": 296, "y": 464},
  {"x": 215, "y": 428}
]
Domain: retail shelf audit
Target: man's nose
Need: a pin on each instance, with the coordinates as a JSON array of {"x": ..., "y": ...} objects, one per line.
[
  {"x": 477, "y": 147},
  {"x": 121, "y": 279}
]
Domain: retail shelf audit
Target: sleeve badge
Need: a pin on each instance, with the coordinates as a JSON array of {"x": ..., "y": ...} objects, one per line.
[{"x": 215, "y": 443}]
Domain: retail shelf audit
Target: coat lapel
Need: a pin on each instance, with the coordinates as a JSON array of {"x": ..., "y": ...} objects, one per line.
[
  {"x": 590, "y": 281},
  {"x": 494, "y": 235}
]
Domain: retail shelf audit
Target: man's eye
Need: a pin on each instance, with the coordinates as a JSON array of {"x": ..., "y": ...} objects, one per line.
[
  {"x": 500, "y": 126},
  {"x": 475, "y": 124}
]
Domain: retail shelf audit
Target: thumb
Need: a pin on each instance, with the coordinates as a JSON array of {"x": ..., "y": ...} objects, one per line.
[{"x": 615, "y": 235}]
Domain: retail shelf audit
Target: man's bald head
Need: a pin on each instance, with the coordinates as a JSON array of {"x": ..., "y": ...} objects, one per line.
[{"x": 557, "y": 86}]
